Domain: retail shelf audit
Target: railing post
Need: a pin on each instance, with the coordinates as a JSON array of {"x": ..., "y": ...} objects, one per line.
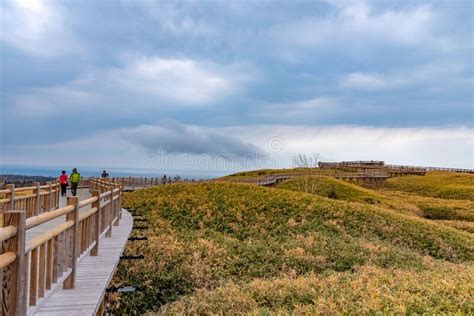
[
  {"x": 111, "y": 213},
  {"x": 50, "y": 189},
  {"x": 117, "y": 207},
  {"x": 58, "y": 193},
  {"x": 69, "y": 283},
  {"x": 11, "y": 197},
  {"x": 95, "y": 250},
  {"x": 120, "y": 202},
  {"x": 13, "y": 301}
]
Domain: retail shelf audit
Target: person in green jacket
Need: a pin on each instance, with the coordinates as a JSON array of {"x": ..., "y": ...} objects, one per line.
[{"x": 74, "y": 178}]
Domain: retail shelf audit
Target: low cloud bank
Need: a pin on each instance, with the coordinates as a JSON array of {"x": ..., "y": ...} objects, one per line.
[
  {"x": 179, "y": 146},
  {"x": 173, "y": 137}
]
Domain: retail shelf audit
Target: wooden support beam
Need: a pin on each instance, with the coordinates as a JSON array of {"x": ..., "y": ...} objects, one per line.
[
  {"x": 33, "y": 276},
  {"x": 49, "y": 264},
  {"x": 110, "y": 213},
  {"x": 50, "y": 196},
  {"x": 74, "y": 216},
  {"x": 41, "y": 270},
  {"x": 97, "y": 219},
  {"x": 56, "y": 250}
]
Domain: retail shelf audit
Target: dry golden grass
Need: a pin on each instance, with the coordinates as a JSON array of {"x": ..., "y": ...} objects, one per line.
[
  {"x": 441, "y": 288},
  {"x": 461, "y": 225},
  {"x": 226, "y": 248},
  {"x": 443, "y": 185},
  {"x": 454, "y": 213},
  {"x": 434, "y": 208}
]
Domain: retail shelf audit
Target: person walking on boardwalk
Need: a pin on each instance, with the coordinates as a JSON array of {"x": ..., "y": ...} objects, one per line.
[
  {"x": 75, "y": 178},
  {"x": 105, "y": 174},
  {"x": 63, "y": 180}
]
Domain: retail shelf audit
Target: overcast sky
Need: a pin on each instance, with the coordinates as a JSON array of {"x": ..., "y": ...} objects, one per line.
[{"x": 119, "y": 83}]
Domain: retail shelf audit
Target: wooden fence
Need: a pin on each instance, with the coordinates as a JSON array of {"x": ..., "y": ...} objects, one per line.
[
  {"x": 132, "y": 183},
  {"x": 455, "y": 170},
  {"x": 34, "y": 200},
  {"x": 392, "y": 170},
  {"x": 369, "y": 179},
  {"x": 29, "y": 270}
]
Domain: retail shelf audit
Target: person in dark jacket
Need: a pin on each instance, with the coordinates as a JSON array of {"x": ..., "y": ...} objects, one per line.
[{"x": 105, "y": 174}]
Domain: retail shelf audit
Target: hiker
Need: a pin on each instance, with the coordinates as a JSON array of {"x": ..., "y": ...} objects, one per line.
[
  {"x": 105, "y": 174},
  {"x": 75, "y": 178},
  {"x": 63, "y": 180}
]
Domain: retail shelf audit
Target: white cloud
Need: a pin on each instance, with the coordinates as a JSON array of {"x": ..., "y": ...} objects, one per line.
[
  {"x": 443, "y": 146},
  {"x": 356, "y": 25},
  {"x": 432, "y": 75},
  {"x": 182, "y": 80},
  {"x": 36, "y": 27},
  {"x": 175, "y": 19},
  {"x": 298, "y": 110},
  {"x": 368, "y": 81},
  {"x": 153, "y": 81},
  {"x": 55, "y": 100}
]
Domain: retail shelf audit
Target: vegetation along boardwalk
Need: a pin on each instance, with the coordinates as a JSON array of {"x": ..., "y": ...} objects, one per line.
[{"x": 60, "y": 254}]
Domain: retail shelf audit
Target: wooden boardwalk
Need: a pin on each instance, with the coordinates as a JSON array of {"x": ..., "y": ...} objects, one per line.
[
  {"x": 93, "y": 277},
  {"x": 59, "y": 254},
  {"x": 93, "y": 273}
]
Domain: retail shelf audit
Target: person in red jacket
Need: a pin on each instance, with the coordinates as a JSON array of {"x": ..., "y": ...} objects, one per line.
[{"x": 63, "y": 180}]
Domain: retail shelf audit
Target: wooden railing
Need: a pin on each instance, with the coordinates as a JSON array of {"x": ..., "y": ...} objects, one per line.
[
  {"x": 34, "y": 200},
  {"x": 131, "y": 183},
  {"x": 455, "y": 170},
  {"x": 29, "y": 270}
]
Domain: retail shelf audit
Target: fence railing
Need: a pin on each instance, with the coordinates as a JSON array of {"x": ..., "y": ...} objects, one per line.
[
  {"x": 139, "y": 182},
  {"x": 455, "y": 170},
  {"x": 34, "y": 200},
  {"x": 29, "y": 270}
]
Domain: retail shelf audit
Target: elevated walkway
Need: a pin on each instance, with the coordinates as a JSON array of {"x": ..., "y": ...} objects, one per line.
[
  {"x": 93, "y": 276},
  {"x": 59, "y": 254}
]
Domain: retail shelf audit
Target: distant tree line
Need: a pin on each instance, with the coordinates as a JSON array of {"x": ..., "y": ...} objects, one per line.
[{"x": 21, "y": 180}]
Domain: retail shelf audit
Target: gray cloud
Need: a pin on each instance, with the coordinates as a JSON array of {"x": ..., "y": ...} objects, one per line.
[{"x": 173, "y": 137}]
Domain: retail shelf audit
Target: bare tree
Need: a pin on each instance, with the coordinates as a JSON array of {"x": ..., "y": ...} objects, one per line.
[{"x": 310, "y": 163}]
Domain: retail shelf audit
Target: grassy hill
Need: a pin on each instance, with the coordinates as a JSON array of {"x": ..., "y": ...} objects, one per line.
[
  {"x": 238, "y": 248},
  {"x": 333, "y": 188},
  {"x": 255, "y": 174},
  {"x": 436, "y": 184}
]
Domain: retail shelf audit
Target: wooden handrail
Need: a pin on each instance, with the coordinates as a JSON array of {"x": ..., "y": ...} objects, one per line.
[
  {"x": 105, "y": 194},
  {"x": 87, "y": 202},
  {"x": 24, "y": 197},
  {"x": 50, "y": 234},
  {"x": 46, "y": 217},
  {"x": 6, "y": 259},
  {"x": 7, "y": 232},
  {"x": 55, "y": 252},
  {"x": 87, "y": 214}
]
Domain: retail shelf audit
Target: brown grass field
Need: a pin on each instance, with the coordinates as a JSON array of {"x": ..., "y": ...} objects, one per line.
[{"x": 308, "y": 246}]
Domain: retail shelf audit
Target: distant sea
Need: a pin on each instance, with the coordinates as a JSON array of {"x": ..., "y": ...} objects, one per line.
[{"x": 49, "y": 171}]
